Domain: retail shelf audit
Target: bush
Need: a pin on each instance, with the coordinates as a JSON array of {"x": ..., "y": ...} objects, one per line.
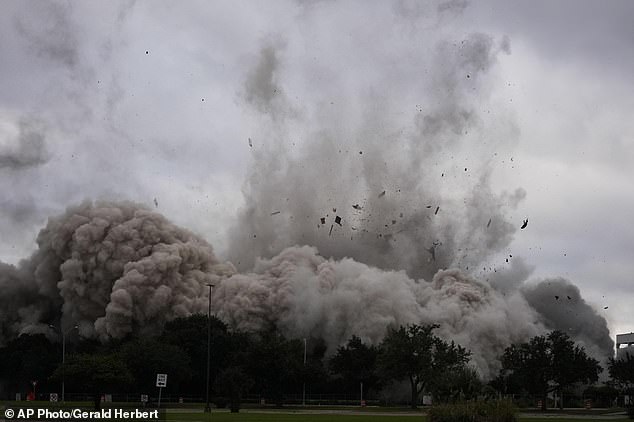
[
  {"x": 630, "y": 411},
  {"x": 476, "y": 411}
]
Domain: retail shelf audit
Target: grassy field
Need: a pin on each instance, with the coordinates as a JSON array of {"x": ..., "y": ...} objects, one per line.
[
  {"x": 325, "y": 414},
  {"x": 285, "y": 417}
]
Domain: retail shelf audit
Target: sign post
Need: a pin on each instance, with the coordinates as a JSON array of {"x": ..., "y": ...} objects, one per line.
[{"x": 161, "y": 381}]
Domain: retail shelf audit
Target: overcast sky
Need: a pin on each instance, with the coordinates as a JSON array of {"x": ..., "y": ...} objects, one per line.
[{"x": 143, "y": 100}]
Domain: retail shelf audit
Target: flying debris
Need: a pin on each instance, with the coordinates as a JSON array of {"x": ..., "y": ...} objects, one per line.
[
  {"x": 382, "y": 194},
  {"x": 605, "y": 307},
  {"x": 323, "y": 220},
  {"x": 432, "y": 250},
  {"x": 569, "y": 298},
  {"x": 330, "y": 232},
  {"x": 524, "y": 224},
  {"x": 275, "y": 212},
  {"x": 156, "y": 202},
  {"x": 357, "y": 207},
  {"x": 338, "y": 220},
  {"x": 437, "y": 209},
  {"x": 489, "y": 223},
  {"x": 556, "y": 297},
  {"x": 250, "y": 143}
]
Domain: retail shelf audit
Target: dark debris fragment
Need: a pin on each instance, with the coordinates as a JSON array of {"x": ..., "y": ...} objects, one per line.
[
  {"x": 338, "y": 220},
  {"x": 275, "y": 212},
  {"x": 437, "y": 209},
  {"x": 382, "y": 194},
  {"x": 357, "y": 207},
  {"x": 323, "y": 220},
  {"x": 489, "y": 223},
  {"x": 524, "y": 224}
]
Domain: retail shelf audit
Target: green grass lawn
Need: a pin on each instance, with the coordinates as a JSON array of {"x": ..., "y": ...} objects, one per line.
[
  {"x": 284, "y": 417},
  {"x": 295, "y": 414}
]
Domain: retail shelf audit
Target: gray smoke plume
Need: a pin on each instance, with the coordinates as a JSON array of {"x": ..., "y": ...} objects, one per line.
[
  {"x": 113, "y": 269},
  {"x": 561, "y": 307},
  {"x": 119, "y": 268},
  {"x": 397, "y": 192},
  {"x": 306, "y": 295},
  {"x": 24, "y": 149},
  {"x": 381, "y": 215}
]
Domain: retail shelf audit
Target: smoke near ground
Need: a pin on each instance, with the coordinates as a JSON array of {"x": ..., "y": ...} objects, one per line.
[
  {"x": 112, "y": 269},
  {"x": 118, "y": 269}
]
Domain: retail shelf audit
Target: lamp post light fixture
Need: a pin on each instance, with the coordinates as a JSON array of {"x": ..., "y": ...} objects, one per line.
[
  {"x": 207, "y": 406},
  {"x": 304, "y": 384},
  {"x": 63, "y": 334}
]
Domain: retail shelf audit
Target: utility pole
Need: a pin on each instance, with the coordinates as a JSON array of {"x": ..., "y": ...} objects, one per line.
[
  {"x": 63, "y": 334},
  {"x": 304, "y": 385},
  {"x": 207, "y": 406}
]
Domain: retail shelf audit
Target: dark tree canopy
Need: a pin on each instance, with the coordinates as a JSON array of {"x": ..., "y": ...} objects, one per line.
[
  {"x": 233, "y": 382},
  {"x": 548, "y": 363},
  {"x": 148, "y": 357},
  {"x": 414, "y": 353},
  {"x": 28, "y": 358},
  {"x": 622, "y": 371},
  {"x": 356, "y": 363},
  {"x": 95, "y": 373},
  {"x": 276, "y": 364}
]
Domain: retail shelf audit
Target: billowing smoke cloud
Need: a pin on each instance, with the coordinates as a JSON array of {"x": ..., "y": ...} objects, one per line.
[
  {"x": 118, "y": 268},
  {"x": 113, "y": 269},
  {"x": 402, "y": 202},
  {"x": 358, "y": 216},
  {"x": 305, "y": 294},
  {"x": 23, "y": 146},
  {"x": 561, "y": 307}
]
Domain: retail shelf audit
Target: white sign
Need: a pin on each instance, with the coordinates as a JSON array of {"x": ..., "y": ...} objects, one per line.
[
  {"x": 161, "y": 380},
  {"x": 53, "y": 397},
  {"x": 143, "y": 398}
]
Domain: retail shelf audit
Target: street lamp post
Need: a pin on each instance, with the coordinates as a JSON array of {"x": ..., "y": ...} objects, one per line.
[
  {"x": 304, "y": 384},
  {"x": 63, "y": 333},
  {"x": 207, "y": 406}
]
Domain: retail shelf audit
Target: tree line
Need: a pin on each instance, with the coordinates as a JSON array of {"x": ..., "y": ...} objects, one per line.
[{"x": 271, "y": 366}]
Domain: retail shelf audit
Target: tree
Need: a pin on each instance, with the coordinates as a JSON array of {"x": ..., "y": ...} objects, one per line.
[
  {"x": 459, "y": 384},
  {"x": 190, "y": 335},
  {"x": 28, "y": 358},
  {"x": 548, "y": 363},
  {"x": 148, "y": 357},
  {"x": 95, "y": 374},
  {"x": 356, "y": 363},
  {"x": 275, "y": 364},
  {"x": 622, "y": 371},
  {"x": 233, "y": 382},
  {"x": 414, "y": 353}
]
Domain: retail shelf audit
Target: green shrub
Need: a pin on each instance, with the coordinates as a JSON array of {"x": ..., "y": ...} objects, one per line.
[{"x": 475, "y": 411}]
